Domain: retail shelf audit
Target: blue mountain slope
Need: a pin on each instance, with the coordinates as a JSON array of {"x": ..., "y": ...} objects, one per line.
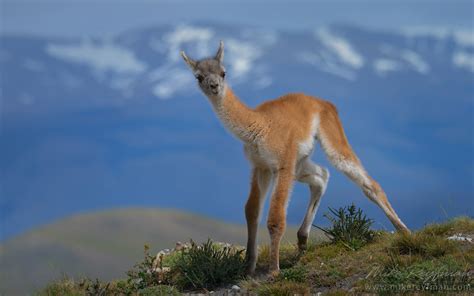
[{"x": 92, "y": 123}]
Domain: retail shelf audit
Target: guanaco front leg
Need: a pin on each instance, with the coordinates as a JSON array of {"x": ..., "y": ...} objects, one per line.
[
  {"x": 276, "y": 223},
  {"x": 258, "y": 189}
]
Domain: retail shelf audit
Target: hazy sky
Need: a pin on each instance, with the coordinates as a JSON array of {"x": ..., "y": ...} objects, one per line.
[{"x": 109, "y": 17}]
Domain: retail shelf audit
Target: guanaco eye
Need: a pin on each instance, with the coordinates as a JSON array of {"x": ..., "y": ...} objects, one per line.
[
  {"x": 223, "y": 74},
  {"x": 200, "y": 78}
]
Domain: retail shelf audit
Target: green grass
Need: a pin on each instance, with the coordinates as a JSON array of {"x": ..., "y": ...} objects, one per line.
[
  {"x": 389, "y": 264},
  {"x": 424, "y": 262}
]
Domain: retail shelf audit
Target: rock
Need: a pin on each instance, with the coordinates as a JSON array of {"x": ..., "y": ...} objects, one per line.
[
  {"x": 159, "y": 259},
  {"x": 461, "y": 238},
  {"x": 179, "y": 246},
  {"x": 235, "y": 288}
]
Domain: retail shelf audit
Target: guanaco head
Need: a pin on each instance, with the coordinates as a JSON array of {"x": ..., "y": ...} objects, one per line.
[{"x": 209, "y": 72}]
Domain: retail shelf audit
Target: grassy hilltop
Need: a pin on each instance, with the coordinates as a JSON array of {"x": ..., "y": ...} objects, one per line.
[
  {"x": 104, "y": 244},
  {"x": 359, "y": 261}
]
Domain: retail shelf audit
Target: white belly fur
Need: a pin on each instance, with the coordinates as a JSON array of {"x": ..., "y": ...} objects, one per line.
[{"x": 259, "y": 156}]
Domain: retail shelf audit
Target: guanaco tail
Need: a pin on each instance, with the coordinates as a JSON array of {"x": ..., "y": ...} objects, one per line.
[{"x": 279, "y": 137}]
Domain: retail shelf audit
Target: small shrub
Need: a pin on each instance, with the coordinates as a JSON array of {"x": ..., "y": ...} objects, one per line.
[
  {"x": 208, "y": 266},
  {"x": 294, "y": 274},
  {"x": 350, "y": 227}
]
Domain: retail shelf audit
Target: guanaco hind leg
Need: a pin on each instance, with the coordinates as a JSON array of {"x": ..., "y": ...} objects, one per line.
[
  {"x": 317, "y": 178},
  {"x": 336, "y": 146}
]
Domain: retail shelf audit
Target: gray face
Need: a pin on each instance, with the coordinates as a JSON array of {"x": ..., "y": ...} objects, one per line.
[{"x": 210, "y": 73}]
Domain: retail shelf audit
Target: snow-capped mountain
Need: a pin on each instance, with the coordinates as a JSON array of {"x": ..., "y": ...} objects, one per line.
[
  {"x": 90, "y": 123},
  {"x": 146, "y": 64}
]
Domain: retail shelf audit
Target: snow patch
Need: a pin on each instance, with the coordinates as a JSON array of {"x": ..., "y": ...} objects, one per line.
[
  {"x": 464, "y": 60},
  {"x": 263, "y": 82},
  {"x": 383, "y": 66},
  {"x": 184, "y": 34},
  {"x": 174, "y": 81},
  {"x": 463, "y": 37},
  {"x": 341, "y": 47},
  {"x": 324, "y": 63},
  {"x": 415, "y": 61},
  {"x": 241, "y": 57},
  {"x": 159, "y": 73},
  {"x": 102, "y": 57}
]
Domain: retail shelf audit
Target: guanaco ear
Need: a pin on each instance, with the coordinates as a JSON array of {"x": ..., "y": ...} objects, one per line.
[
  {"x": 220, "y": 52},
  {"x": 192, "y": 64}
]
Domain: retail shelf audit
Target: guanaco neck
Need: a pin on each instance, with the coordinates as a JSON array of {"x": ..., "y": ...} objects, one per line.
[{"x": 244, "y": 122}]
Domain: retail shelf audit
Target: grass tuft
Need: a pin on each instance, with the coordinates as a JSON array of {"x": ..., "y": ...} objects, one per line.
[
  {"x": 349, "y": 226},
  {"x": 208, "y": 266},
  {"x": 461, "y": 224},
  {"x": 425, "y": 245}
]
